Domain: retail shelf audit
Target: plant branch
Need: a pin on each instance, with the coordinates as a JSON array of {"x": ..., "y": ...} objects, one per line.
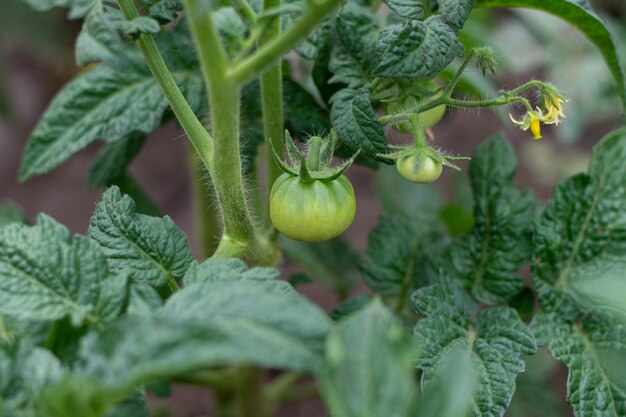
[
  {"x": 272, "y": 105},
  {"x": 459, "y": 73},
  {"x": 245, "y": 11},
  {"x": 502, "y": 100},
  {"x": 197, "y": 134},
  {"x": 225, "y": 167},
  {"x": 273, "y": 50}
]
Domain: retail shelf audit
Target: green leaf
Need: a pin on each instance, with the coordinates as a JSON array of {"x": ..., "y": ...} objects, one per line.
[
  {"x": 398, "y": 253},
  {"x": 450, "y": 392},
  {"x": 582, "y": 233},
  {"x": 99, "y": 40},
  {"x": 594, "y": 353},
  {"x": 45, "y": 275},
  {"x": 396, "y": 194},
  {"x": 164, "y": 11},
  {"x": 332, "y": 262},
  {"x": 500, "y": 242},
  {"x": 152, "y": 250},
  {"x": 105, "y": 104},
  {"x": 352, "y": 57},
  {"x": 496, "y": 337},
  {"x": 217, "y": 270},
  {"x": 368, "y": 369},
  {"x": 416, "y": 49},
  {"x": 356, "y": 124},
  {"x": 77, "y": 8},
  {"x": 142, "y": 299},
  {"x": 350, "y": 306},
  {"x": 10, "y": 213},
  {"x": 303, "y": 114},
  {"x": 537, "y": 395},
  {"x": 411, "y": 9},
  {"x": 208, "y": 324},
  {"x": 113, "y": 160},
  {"x": 582, "y": 17}
]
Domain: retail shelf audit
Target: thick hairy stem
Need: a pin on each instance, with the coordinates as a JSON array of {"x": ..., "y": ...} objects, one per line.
[
  {"x": 207, "y": 215},
  {"x": 272, "y": 51},
  {"x": 272, "y": 103},
  {"x": 225, "y": 167}
]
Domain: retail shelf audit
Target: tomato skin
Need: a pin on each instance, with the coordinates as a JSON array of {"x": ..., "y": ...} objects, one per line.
[
  {"x": 312, "y": 211},
  {"x": 419, "y": 168}
]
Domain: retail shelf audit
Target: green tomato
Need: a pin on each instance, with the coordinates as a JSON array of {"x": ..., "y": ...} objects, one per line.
[
  {"x": 312, "y": 211},
  {"x": 419, "y": 168},
  {"x": 427, "y": 119}
]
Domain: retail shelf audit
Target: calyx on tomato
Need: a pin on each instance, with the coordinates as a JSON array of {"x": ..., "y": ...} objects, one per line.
[
  {"x": 315, "y": 164},
  {"x": 419, "y": 162},
  {"x": 312, "y": 201}
]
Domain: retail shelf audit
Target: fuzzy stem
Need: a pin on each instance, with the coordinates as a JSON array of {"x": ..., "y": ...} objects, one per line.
[
  {"x": 272, "y": 105},
  {"x": 459, "y": 73},
  {"x": 272, "y": 51},
  {"x": 208, "y": 220},
  {"x": 418, "y": 132},
  {"x": 197, "y": 134},
  {"x": 225, "y": 167}
]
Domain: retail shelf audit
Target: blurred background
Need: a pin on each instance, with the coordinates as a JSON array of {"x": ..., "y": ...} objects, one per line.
[{"x": 37, "y": 58}]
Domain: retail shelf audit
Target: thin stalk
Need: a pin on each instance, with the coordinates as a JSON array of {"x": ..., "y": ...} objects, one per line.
[
  {"x": 448, "y": 101},
  {"x": 273, "y": 50},
  {"x": 172, "y": 284},
  {"x": 250, "y": 399},
  {"x": 197, "y": 134},
  {"x": 272, "y": 103},
  {"x": 225, "y": 167},
  {"x": 459, "y": 73},
  {"x": 245, "y": 11}
]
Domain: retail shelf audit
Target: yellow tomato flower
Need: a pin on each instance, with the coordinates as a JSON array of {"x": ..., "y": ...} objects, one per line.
[
  {"x": 554, "y": 109},
  {"x": 532, "y": 120}
]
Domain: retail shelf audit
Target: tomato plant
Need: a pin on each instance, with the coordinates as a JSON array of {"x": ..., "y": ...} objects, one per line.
[{"x": 436, "y": 315}]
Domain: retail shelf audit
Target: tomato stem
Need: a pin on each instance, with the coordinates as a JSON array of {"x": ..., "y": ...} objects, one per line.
[
  {"x": 418, "y": 132},
  {"x": 272, "y": 109},
  {"x": 197, "y": 134},
  {"x": 274, "y": 49},
  {"x": 225, "y": 165}
]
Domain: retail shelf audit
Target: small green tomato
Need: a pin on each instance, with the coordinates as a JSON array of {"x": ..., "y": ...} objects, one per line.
[
  {"x": 419, "y": 168},
  {"x": 312, "y": 211},
  {"x": 427, "y": 119}
]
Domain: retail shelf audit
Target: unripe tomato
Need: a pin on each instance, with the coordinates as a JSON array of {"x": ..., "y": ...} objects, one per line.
[
  {"x": 427, "y": 119},
  {"x": 419, "y": 168},
  {"x": 312, "y": 211}
]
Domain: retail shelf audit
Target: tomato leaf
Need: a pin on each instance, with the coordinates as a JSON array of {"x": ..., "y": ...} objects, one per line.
[
  {"x": 163, "y": 11},
  {"x": 10, "y": 213},
  {"x": 399, "y": 251},
  {"x": 333, "y": 262},
  {"x": 357, "y": 127},
  {"x": 500, "y": 241},
  {"x": 209, "y": 323},
  {"x": 496, "y": 337},
  {"x": 593, "y": 350},
  {"x": 108, "y": 104},
  {"x": 582, "y": 233},
  {"x": 113, "y": 159},
  {"x": 77, "y": 8},
  {"x": 580, "y": 15},
  {"x": 48, "y": 275},
  {"x": 368, "y": 368},
  {"x": 352, "y": 58},
  {"x": 152, "y": 250}
]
